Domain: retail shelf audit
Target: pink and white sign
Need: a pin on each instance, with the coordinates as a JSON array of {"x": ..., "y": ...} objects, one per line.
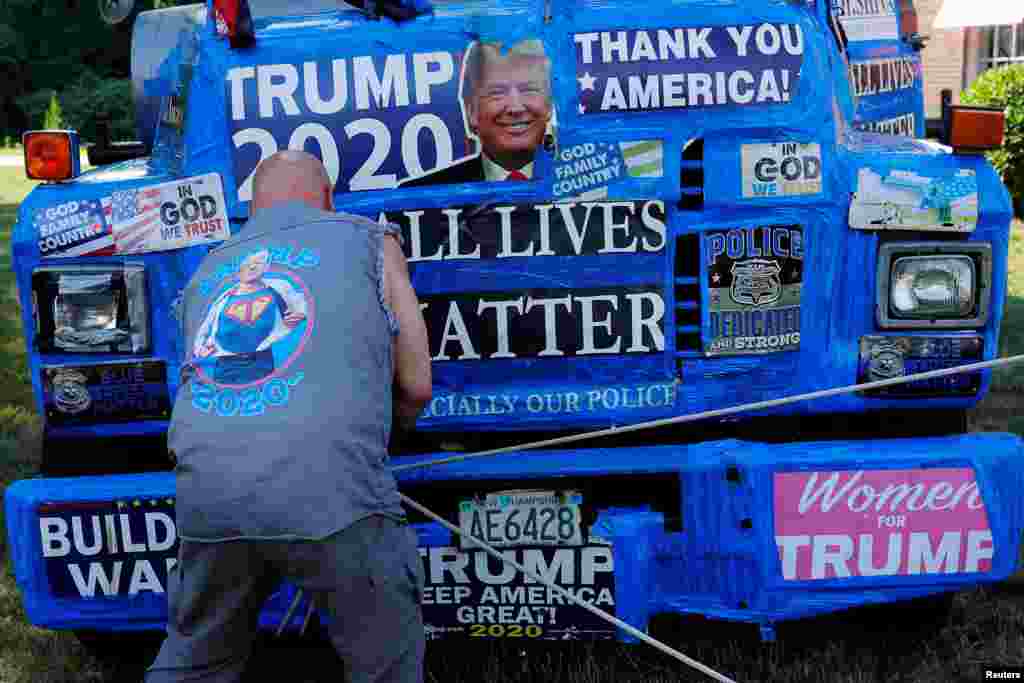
[{"x": 880, "y": 523}]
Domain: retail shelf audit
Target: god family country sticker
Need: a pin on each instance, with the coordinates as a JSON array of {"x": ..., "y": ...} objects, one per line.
[
  {"x": 169, "y": 216},
  {"x": 75, "y": 228},
  {"x": 844, "y": 524},
  {"x": 587, "y": 171},
  {"x": 900, "y": 200},
  {"x": 781, "y": 169}
]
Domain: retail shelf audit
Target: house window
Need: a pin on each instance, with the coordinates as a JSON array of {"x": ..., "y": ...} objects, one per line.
[{"x": 1005, "y": 46}]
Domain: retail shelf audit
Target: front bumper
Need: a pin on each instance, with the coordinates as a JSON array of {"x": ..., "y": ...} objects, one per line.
[{"x": 764, "y": 533}]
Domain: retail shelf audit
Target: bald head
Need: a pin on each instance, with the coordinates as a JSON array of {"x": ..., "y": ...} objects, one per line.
[{"x": 292, "y": 176}]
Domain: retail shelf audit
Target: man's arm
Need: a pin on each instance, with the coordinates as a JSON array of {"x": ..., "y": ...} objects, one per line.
[{"x": 412, "y": 385}]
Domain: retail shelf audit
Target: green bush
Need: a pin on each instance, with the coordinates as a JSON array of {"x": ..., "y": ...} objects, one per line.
[
  {"x": 83, "y": 100},
  {"x": 1004, "y": 88},
  {"x": 53, "y": 119}
]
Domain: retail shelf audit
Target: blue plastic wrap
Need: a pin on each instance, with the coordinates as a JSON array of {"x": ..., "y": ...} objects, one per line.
[
  {"x": 683, "y": 242},
  {"x": 724, "y": 563}
]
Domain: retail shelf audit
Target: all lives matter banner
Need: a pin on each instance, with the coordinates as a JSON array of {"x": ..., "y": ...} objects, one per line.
[
  {"x": 672, "y": 68},
  {"x": 470, "y": 593}
]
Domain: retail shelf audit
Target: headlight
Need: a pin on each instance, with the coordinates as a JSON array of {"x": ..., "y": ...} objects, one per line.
[
  {"x": 934, "y": 285},
  {"x": 91, "y": 309},
  {"x": 927, "y": 287}
]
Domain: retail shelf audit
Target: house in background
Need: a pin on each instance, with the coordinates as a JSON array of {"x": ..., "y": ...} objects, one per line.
[{"x": 954, "y": 57}]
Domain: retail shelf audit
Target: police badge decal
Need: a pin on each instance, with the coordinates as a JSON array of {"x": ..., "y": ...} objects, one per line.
[{"x": 755, "y": 276}]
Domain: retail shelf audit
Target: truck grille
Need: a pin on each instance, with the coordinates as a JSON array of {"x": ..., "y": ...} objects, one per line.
[
  {"x": 691, "y": 176},
  {"x": 687, "y": 265},
  {"x": 686, "y": 286}
]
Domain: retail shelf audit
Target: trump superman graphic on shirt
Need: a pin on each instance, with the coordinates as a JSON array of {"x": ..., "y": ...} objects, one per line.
[{"x": 245, "y": 321}]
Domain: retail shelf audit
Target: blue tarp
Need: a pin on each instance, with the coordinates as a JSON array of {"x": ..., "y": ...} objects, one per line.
[{"x": 726, "y": 562}]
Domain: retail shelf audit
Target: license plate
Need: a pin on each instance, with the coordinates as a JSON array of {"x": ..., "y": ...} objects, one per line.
[{"x": 512, "y": 518}]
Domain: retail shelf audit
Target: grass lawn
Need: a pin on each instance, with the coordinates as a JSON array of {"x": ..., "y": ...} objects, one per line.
[
  {"x": 1012, "y": 331},
  {"x": 16, "y": 388},
  {"x": 983, "y": 626}
]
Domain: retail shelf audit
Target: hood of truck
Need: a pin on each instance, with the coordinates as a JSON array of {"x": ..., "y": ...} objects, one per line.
[{"x": 682, "y": 238}]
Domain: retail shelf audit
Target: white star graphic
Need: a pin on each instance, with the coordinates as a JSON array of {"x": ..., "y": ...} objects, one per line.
[
  {"x": 586, "y": 81},
  {"x": 583, "y": 110}
]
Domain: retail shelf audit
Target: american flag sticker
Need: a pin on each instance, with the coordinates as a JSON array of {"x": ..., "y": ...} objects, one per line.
[
  {"x": 169, "y": 216},
  {"x": 75, "y": 228}
]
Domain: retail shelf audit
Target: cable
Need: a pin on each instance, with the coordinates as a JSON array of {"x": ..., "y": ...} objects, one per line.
[
  {"x": 758, "y": 405},
  {"x": 719, "y": 412},
  {"x": 636, "y": 633}
]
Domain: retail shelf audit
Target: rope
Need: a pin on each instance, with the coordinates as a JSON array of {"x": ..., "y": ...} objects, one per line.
[
  {"x": 636, "y": 633},
  {"x": 720, "y": 412},
  {"x": 758, "y": 405}
]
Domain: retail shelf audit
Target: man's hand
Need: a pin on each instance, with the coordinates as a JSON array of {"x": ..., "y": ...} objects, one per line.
[{"x": 412, "y": 386}]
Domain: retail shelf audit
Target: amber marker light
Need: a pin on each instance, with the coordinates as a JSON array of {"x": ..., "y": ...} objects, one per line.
[
  {"x": 975, "y": 129},
  {"x": 51, "y": 154}
]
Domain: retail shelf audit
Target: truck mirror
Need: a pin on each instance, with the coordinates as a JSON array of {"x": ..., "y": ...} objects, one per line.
[
  {"x": 116, "y": 11},
  {"x": 971, "y": 130}
]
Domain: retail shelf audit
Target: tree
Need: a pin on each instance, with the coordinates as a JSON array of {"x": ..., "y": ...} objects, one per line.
[
  {"x": 53, "y": 119},
  {"x": 46, "y": 45}
]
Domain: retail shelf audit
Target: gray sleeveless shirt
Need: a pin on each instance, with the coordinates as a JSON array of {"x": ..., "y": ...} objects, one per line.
[{"x": 280, "y": 428}]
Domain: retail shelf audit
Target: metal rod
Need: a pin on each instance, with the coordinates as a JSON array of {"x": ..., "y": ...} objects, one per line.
[
  {"x": 305, "y": 621},
  {"x": 288, "y": 614},
  {"x": 635, "y": 632},
  {"x": 719, "y": 412},
  {"x": 759, "y": 405}
]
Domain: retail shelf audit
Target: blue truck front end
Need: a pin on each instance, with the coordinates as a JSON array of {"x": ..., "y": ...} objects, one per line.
[{"x": 701, "y": 229}]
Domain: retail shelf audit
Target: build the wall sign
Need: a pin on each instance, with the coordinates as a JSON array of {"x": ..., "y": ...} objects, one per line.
[{"x": 108, "y": 548}]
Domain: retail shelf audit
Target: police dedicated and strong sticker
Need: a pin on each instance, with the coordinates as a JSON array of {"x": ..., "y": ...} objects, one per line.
[{"x": 755, "y": 277}]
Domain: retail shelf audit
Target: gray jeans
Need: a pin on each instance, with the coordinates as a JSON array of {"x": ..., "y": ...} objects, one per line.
[{"x": 368, "y": 577}]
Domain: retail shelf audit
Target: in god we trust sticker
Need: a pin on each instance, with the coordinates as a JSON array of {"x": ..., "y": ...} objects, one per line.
[
  {"x": 168, "y": 216},
  {"x": 781, "y": 169}
]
